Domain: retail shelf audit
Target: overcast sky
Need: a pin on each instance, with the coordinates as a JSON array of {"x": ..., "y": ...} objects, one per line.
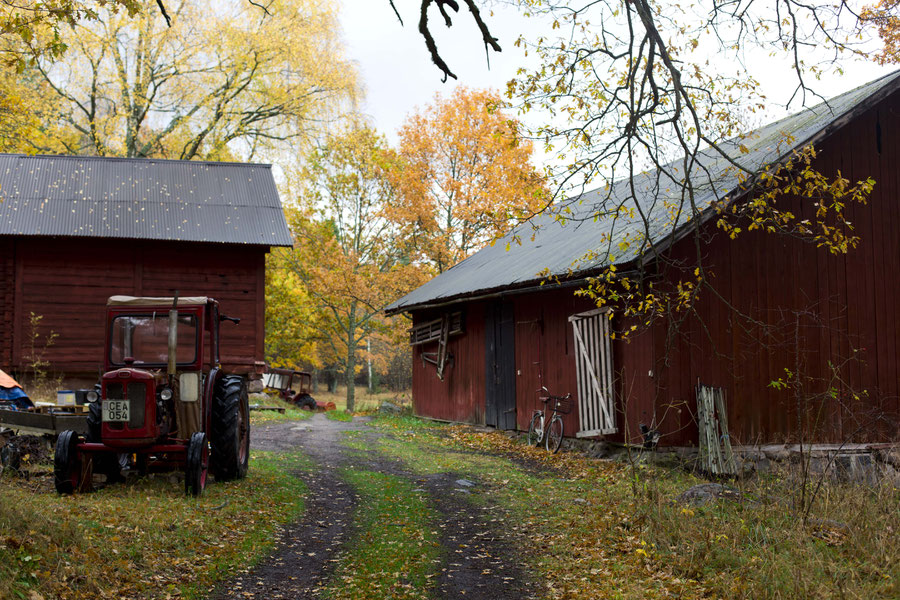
[
  {"x": 396, "y": 68},
  {"x": 399, "y": 75}
]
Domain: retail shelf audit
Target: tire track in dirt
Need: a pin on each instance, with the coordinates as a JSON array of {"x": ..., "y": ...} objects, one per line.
[{"x": 479, "y": 563}]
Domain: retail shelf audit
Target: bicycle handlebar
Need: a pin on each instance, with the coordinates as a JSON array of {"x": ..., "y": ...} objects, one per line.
[{"x": 546, "y": 399}]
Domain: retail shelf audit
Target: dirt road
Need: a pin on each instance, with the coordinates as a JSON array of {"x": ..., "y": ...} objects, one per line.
[{"x": 476, "y": 562}]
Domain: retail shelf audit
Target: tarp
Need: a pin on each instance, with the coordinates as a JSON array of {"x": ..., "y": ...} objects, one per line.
[
  {"x": 8, "y": 382},
  {"x": 11, "y": 391}
]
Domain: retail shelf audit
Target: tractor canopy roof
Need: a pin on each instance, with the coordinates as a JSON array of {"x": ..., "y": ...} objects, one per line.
[{"x": 156, "y": 301}]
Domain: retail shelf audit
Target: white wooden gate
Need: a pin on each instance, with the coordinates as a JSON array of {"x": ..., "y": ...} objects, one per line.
[{"x": 593, "y": 364}]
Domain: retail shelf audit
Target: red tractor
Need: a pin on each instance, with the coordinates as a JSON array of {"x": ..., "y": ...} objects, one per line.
[{"x": 164, "y": 402}]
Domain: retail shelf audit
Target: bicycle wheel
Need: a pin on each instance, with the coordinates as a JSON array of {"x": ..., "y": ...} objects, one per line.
[
  {"x": 554, "y": 434},
  {"x": 535, "y": 431}
]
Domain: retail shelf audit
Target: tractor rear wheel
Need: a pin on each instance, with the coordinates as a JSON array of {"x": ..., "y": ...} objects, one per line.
[
  {"x": 230, "y": 428},
  {"x": 197, "y": 465},
  {"x": 67, "y": 463}
]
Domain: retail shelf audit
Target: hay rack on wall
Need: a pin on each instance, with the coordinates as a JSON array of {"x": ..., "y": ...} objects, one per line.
[{"x": 438, "y": 330}]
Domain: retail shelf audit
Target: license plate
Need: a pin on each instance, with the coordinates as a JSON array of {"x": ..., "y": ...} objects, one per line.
[{"x": 115, "y": 410}]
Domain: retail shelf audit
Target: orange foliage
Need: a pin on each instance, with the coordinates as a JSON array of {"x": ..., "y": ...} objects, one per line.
[{"x": 463, "y": 176}]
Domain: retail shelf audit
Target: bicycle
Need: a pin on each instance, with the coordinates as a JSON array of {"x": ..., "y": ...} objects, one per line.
[{"x": 552, "y": 435}]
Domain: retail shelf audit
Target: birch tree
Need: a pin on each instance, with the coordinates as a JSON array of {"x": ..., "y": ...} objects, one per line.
[{"x": 224, "y": 79}]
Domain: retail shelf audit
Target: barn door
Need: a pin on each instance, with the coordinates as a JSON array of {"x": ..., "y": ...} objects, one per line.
[
  {"x": 500, "y": 363},
  {"x": 594, "y": 369}
]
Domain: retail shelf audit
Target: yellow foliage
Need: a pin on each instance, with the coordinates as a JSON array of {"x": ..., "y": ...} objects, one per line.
[{"x": 226, "y": 79}]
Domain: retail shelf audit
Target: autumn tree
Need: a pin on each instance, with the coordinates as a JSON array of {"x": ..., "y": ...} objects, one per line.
[
  {"x": 347, "y": 253},
  {"x": 463, "y": 175},
  {"x": 27, "y": 111},
  {"x": 884, "y": 17},
  {"x": 223, "y": 80}
]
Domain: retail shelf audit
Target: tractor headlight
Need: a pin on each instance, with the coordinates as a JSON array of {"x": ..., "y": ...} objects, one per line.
[
  {"x": 92, "y": 396},
  {"x": 166, "y": 394}
]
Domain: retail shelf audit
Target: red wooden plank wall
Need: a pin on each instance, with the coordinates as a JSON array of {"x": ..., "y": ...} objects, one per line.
[
  {"x": 840, "y": 309},
  {"x": 67, "y": 282},
  {"x": 461, "y": 395},
  {"x": 7, "y": 301},
  {"x": 545, "y": 352}
]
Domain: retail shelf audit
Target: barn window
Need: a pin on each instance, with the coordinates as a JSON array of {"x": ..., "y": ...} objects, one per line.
[{"x": 594, "y": 368}]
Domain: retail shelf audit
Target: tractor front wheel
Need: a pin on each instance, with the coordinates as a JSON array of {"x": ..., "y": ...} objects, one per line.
[
  {"x": 197, "y": 465},
  {"x": 230, "y": 428},
  {"x": 67, "y": 464}
]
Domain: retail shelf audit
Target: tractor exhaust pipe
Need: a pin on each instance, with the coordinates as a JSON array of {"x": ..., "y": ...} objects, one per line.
[{"x": 173, "y": 336}]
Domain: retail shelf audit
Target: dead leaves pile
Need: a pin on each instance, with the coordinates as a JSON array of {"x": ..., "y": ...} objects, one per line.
[{"x": 573, "y": 465}]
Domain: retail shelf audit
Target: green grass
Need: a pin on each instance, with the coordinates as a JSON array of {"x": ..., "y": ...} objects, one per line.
[
  {"x": 291, "y": 412},
  {"x": 608, "y": 531},
  {"x": 395, "y": 552},
  {"x": 141, "y": 539},
  {"x": 339, "y": 415},
  {"x": 408, "y": 423}
]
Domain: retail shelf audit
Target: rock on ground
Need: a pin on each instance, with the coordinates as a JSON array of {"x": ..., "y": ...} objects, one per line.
[{"x": 707, "y": 493}]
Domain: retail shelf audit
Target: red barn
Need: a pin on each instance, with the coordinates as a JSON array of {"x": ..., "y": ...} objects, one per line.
[
  {"x": 76, "y": 230},
  {"x": 831, "y": 319}
]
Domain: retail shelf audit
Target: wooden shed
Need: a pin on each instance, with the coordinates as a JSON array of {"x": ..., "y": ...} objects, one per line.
[
  {"x": 833, "y": 318},
  {"x": 76, "y": 230}
]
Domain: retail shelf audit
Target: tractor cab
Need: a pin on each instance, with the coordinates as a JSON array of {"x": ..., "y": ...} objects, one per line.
[
  {"x": 163, "y": 401},
  {"x": 292, "y": 386}
]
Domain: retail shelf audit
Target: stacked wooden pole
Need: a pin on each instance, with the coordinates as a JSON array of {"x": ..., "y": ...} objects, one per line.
[{"x": 716, "y": 455}]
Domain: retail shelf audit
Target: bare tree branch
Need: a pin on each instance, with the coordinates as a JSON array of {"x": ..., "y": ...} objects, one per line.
[
  {"x": 162, "y": 9},
  {"x": 490, "y": 42}
]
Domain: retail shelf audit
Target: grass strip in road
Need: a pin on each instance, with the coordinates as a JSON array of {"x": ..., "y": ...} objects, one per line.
[
  {"x": 339, "y": 415},
  {"x": 143, "y": 539},
  {"x": 394, "y": 551}
]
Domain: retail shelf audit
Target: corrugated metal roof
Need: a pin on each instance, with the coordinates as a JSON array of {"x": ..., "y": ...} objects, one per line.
[
  {"x": 86, "y": 196},
  {"x": 547, "y": 245}
]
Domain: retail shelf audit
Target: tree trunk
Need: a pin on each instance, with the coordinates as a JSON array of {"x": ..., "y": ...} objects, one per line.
[
  {"x": 350, "y": 366},
  {"x": 369, "y": 360}
]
